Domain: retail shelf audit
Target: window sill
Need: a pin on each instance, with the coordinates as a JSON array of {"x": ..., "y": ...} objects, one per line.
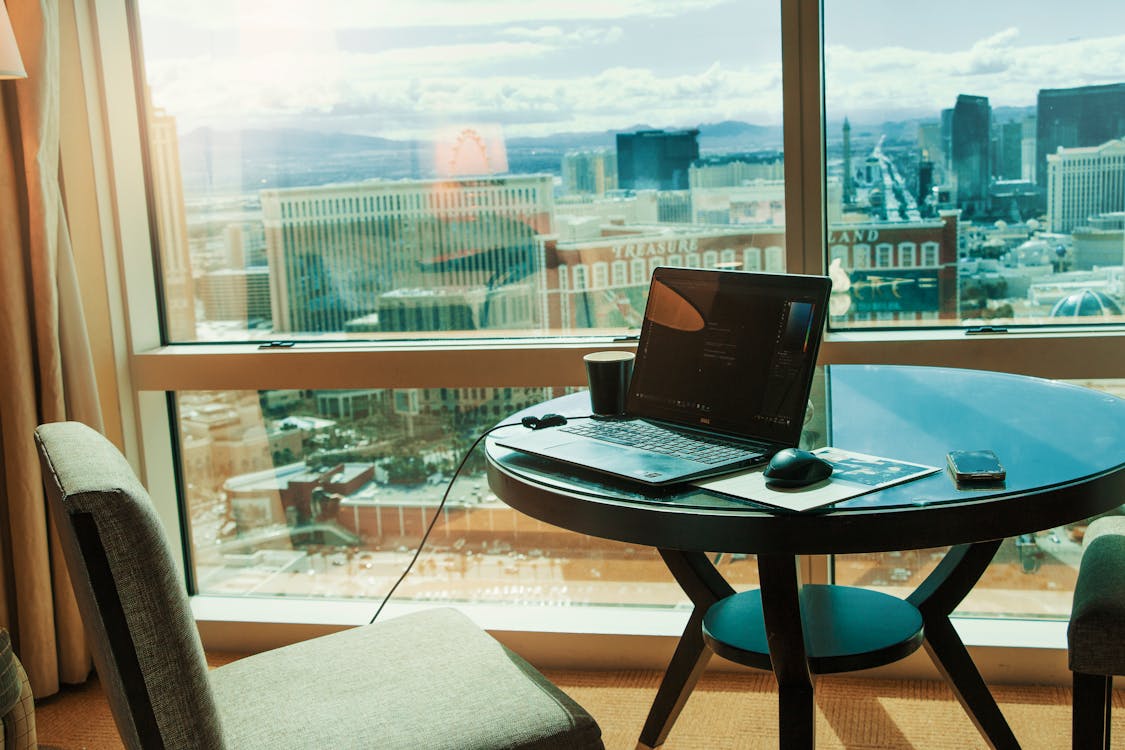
[
  {"x": 1088, "y": 352},
  {"x": 599, "y": 638}
]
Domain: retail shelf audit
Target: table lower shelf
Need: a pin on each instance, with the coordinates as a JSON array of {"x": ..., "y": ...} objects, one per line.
[{"x": 846, "y": 628}]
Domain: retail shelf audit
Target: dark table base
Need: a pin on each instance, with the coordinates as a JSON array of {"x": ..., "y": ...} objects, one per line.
[{"x": 806, "y": 637}]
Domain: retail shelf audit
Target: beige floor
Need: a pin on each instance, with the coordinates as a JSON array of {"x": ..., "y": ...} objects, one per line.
[{"x": 727, "y": 710}]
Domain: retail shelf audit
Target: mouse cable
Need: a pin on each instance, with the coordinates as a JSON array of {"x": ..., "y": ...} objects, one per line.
[{"x": 444, "y": 497}]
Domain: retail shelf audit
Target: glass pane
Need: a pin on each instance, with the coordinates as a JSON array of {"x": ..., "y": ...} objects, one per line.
[
  {"x": 354, "y": 170},
  {"x": 328, "y": 493},
  {"x": 976, "y": 171},
  {"x": 1032, "y": 576}
]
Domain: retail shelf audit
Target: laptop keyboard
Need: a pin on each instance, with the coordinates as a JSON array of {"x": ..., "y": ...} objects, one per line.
[{"x": 641, "y": 434}]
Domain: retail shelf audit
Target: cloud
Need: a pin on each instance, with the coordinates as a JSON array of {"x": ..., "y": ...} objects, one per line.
[
  {"x": 377, "y": 14},
  {"x": 894, "y": 79},
  {"x": 560, "y": 37},
  {"x": 993, "y": 54},
  {"x": 429, "y": 91},
  {"x": 522, "y": 73}
]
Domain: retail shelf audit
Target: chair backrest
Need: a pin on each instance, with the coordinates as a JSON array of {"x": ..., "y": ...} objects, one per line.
[{"x": 134, "y": 605}]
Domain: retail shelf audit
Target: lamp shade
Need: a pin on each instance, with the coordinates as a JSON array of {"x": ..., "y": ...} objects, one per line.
[{"x": 11, "y": 66}]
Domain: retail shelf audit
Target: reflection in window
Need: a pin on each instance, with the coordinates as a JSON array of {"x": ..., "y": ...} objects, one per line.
[
  {"x": 752, "y": 258},
  {"x": 775, "y": 259}
]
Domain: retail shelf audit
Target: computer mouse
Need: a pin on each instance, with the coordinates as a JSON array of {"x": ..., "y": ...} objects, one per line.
[{"x": 792, "y": 467}]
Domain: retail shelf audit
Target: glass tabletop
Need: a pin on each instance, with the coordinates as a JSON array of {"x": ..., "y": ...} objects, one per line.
[{"x": 1046, "y": 433}]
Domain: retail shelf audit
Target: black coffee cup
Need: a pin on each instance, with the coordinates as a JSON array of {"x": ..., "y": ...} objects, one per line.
[{"x": 608, "y": 374}]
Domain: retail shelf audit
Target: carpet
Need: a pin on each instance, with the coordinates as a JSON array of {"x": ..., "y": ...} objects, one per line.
[{"x": 727, "y": 710}]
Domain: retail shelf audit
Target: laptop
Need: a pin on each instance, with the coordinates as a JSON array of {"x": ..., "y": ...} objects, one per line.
[{"x": 725, "y": 360}]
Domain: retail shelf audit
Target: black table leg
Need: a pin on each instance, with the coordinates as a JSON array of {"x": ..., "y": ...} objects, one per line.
[
  {"x": 936, "y": 599},
  {"x": 785, "y": 632},
  {"x": 704, "y": 586}
]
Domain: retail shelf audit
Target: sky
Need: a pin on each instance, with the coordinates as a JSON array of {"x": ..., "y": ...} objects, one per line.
[{"x": 417, "y": 67}]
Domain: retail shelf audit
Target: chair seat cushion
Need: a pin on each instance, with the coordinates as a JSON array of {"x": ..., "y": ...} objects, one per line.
[
  {"x": 1096, "y": 635},
  {"x": 430, "y": 680}
]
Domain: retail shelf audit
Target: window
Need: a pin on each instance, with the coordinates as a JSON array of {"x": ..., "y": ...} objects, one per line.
[
  {"x": 753, "y": 259},
  {"x": 619, "y": 273},
  {"x": 640, "y": 271},
  {"x": 404, "y": 250},
  {"x": 381, "y": 183},
  {"x": 984, "y": 179},
  {"x": 1012, "y": 189},
  {"x": 601, "y": 275},
  {"x": 907, "y": 255},
  {"x": 862, "y": 255},
  {"x": 930, "y": 254},
  {"x": 775, "y": 259}
]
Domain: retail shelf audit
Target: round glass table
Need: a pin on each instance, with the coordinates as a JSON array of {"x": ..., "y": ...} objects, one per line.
[{"x": 1064, "y": 450}]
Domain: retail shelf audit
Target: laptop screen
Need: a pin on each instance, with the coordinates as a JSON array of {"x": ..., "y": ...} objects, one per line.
[{"x": 729, "y": 351}]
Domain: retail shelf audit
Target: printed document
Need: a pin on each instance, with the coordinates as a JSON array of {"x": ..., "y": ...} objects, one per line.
[{"x": 852, "y": 474}]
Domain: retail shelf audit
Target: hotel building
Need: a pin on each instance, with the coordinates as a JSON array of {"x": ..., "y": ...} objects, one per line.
[
  {"x": 335, "y": 251},
  {"x": 1084, "y": 182}
]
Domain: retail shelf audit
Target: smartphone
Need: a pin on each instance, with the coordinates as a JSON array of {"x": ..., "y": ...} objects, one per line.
[{"x": 975, "y": 466}]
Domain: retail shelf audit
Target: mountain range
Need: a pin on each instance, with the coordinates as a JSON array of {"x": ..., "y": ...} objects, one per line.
[{"x": 249, "y": 160}]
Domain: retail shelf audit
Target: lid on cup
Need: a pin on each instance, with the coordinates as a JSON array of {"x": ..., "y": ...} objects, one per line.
[{"x": 609, "y": 356}]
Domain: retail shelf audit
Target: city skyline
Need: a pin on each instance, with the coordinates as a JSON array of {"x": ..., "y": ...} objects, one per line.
[{"x": 421, "y": 68}]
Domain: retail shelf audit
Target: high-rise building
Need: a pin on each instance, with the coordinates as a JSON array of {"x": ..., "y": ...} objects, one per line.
[
  {"x": 946, "y": 130},
  {"x": 1082, "y": 116},
  {"x": 1028, "y": 164},
  {"x": 336, "y": 250},
  {"x": 931, "y": 145},
  {"x": 849, "y": 178},
  {"x": 1007, "y": 150},
  {"x": 171, "y": 227},
  {"x": 1084, "y": 182},
  {"x": 925, "y": 180},
  {"x": 656, "y": 159},
  {"x": 589, "y": 172},
  {"x": 971, "y": 134}
]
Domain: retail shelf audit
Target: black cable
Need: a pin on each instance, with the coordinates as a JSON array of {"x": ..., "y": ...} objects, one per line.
[{"x": 547, "y": 420}]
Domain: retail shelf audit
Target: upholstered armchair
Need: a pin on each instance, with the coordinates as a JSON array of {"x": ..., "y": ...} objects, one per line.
[
  {"x": 17, "y": 707},
  {"x": 430, "y": 680},
  {"x": 1096, "y": 635}
]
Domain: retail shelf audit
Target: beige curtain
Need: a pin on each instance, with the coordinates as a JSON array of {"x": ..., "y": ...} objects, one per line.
[{"x": 46, "y": 369}]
